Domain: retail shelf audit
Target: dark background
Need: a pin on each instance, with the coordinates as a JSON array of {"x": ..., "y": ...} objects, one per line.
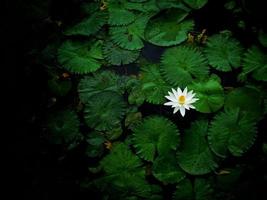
[{"x": 35, "y": 170}]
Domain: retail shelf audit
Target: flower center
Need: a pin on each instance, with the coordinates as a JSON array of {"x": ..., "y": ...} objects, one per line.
[{"x": 181, "y": 99}]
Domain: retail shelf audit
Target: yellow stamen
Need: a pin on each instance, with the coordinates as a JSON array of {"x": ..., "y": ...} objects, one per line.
[{"x": 181, "y": 99}]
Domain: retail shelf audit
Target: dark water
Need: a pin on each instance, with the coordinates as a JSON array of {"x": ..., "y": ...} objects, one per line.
[{"x": 38, "y": 170}]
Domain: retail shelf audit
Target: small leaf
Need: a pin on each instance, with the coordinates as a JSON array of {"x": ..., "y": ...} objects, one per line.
[
  {"x": 125, "y": 177},
  {"x": 148, "y": 6},
  {"x": 114, "y": 133},
  {"x": 247, "y": 99},
  {"x": 118, "y": 12},
  {"x": 231, "y": 130},
  {"x": 166, "y": 169},
  {"x": 181, "y": 65},
  {"x": 63, "y": 127},
  {"x": 99, "y": 82},
  {"x": 199, "y": 190},
  {"x": 167, "y": 4},
  {"x": 210, "y": 94},
  {"x": 223, "y": 52},
  {"x": 184, "y": 190},
  {"x": 130, "y": 36},
  {"x": 196, "y": 4},
  {"x": 116, "y": 55},
  {"x": 136, "y": 94},
  {"x": 132, "y": 119},
  {"x": 104, "y": 111},
  {"x": 195, "y": 156},
  {"x": 203, "y": 190},
  {"x": 153, "y": 85},
  {"x": 80, "y": 57},
  {"x": 95, "y": 147},
  {"x": 121, "y": 160},
  {"x": 155, "y": 135},
  {"x": 168, "y": 29},
  {"x": 255, "y": 63}
]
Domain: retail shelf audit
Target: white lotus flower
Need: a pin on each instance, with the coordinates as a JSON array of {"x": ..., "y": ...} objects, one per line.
[{"x": 181, "y": 100}]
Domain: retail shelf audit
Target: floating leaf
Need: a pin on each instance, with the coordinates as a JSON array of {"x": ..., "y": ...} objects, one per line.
[
  {"x": 148, "y": 6},
  {"x": 133, "y": 119},
  {"x": 104, "y": 111},
  {"x": 124, "y": 173},
  {"x": 130, "y": 36},
  {"x": 166, "y": 4},
  {"x": 180, "y": 65},
  {"x": 99, "y": 82},
  {"x": 195, "y": 156},
  {"x": 184, "y": 190},
  {"x": 210, "y": 94},
  {"x": 223, "y": 52},
  {"x": 63, "y": 127},
  {"x": 196, "y": 4},
  {"x": 153, "y": 85},
  {"x": 114, "y": 133},
  {"x": 247, "y": 99},
  {"x": 121, "y": 160},
  {"x": 80, "y": 57},
  {"x": 255, "y": 63},
  {"x": 168, "y": 29},
  {"x": 203, "y": 190},
  {"x": 95, "y": 147},
  {"x": 155, "y": 135},
  {"x": 116, "y": 55},
  {"x": 231, "y": 130},
  {"x": 136, "y": 94},
  {"x": 166, "y": 169},
  {"x": 200, "y": 190},
  {"x": 119, "y": 14},
  {"x": 89, "y": 25}
]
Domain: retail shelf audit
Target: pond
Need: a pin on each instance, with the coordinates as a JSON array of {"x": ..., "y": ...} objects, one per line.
[{"x": 139, "y": 99}]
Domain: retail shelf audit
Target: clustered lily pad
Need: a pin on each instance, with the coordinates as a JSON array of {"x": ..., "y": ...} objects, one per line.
[
  {"x": 196, "y": 156},
  {"x": 182, "y": 64},
  {"x": 80, "y": 57},
  {"x": 104, "y": 111},
  {"x": 233, "y": 131},
  {"x": 156, "y": 135},
  {"x": 153, "y": 86},
  {"x": 223, "y": 52},
  {"x": 115, "y": 96}
]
